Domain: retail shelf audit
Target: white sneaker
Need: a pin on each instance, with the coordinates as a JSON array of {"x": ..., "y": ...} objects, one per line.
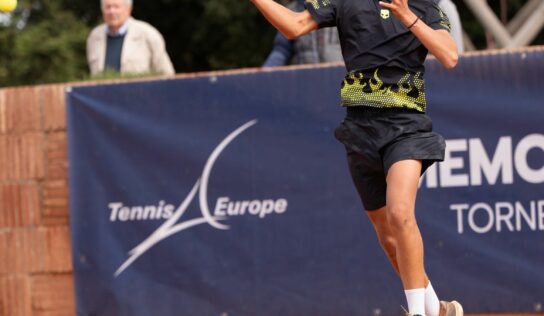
[{"x": 452, "y": 308}]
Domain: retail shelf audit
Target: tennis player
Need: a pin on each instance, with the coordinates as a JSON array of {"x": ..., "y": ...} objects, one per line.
[{"x": 387, "y": 135}]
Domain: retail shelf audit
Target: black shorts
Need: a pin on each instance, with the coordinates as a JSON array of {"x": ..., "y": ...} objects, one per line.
[{"x": 377, "y": 138}]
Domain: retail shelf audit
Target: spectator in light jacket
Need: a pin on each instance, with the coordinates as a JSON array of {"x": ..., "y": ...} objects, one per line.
[{"x": 126, "y": 45}]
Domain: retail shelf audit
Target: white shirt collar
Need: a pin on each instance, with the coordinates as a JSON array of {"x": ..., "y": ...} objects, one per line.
[{"x": 122, "y": 30}]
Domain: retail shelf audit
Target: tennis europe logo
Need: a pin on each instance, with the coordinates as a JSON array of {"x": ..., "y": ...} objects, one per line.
[{"x": 224, "y": 208}]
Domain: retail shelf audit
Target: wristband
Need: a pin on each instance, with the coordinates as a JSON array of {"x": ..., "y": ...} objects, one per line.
[{"x": 411, "y": 25}]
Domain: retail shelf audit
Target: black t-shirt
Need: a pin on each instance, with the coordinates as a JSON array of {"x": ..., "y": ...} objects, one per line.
[{"x": 383, "y": 58}]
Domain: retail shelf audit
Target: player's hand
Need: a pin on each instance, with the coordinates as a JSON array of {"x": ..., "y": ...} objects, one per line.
[{"x": 401, "y": 10}]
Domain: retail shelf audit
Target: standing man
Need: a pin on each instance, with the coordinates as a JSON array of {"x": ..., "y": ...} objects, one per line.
[
  {"x": 126, "y": 45},
  {"x": 387, "y": 135}
]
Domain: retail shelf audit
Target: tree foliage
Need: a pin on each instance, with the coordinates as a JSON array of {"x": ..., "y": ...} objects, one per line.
[
  {"x": 211, "y": 34},
  {"x": 44, "y": 40},
  {"x": 42, "y": 44}
]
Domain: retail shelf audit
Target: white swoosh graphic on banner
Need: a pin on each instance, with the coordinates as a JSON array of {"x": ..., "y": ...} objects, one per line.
[
  {"x": 203, "y": 194},
  {"x": 168, "y": 228}
]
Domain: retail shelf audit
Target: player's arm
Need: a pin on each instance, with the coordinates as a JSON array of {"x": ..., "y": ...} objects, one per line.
[
  {"x": 438, "y": 42},
  {"x": 290, "y": 23}
]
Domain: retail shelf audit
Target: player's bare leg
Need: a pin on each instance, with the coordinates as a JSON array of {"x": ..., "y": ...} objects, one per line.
[
  {"x": 385, "y": 237},
  {"x": 382, "y": 222},
  {"x": 402, "y": 182},
  {"x": 388, "y": 242}
]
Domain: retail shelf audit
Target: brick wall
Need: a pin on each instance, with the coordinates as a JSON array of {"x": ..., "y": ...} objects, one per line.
[
  {"x": 35, "y": 254},
  {"x": 35, "y": 251}
]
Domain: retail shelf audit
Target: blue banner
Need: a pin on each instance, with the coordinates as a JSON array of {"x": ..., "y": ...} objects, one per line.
[{"x": 228, "y": 195}]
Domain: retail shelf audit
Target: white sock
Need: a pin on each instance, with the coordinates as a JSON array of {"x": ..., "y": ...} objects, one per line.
[
  {"x": 416, "y": 301},
  {"x": 432, "y": 304}
]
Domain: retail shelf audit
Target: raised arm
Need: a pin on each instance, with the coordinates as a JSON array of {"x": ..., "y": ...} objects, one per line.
[
  {"x": 290, "y": 23},
  {"x": 438, "y": 42}
]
